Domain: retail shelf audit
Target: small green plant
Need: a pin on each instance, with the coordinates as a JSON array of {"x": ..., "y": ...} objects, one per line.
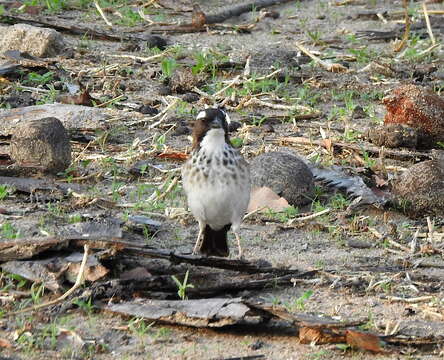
[
  {"x": 86, "y": 305},
  {"x": 139, "y": 326},
  {"x": 5, "y": 191},
  {"x": 182, "y": 286},
  {"x": 51, "y": 5},
  {"x": 285, "y": 215},
  {"x": 129, "y": 17},
  {"x": 167, "y": 66},
  {"x": 73, "y": 219},
  {"x": 236, "y": 142},
  {"x": 338, "y": 201},
  {"x": 49, "y": 97},
  {"x": 369, "y": 162},
  {"x": 37, "y": 291},
  {"x": 35, "y": 78},
  {"x": 8, "y": 231},
  {"x": 299, "y": 303}
]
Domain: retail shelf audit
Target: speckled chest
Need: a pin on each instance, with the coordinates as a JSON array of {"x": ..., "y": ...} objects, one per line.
[{"x": 223, "y": 167}]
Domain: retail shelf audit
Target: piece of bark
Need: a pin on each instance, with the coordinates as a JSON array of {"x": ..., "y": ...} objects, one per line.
[
  {"x": 150, "y": 40},
  {"x": 35, "y": 186},
  {"x": 43, "y": 143},
  {"x": 240, "y": 9},
  {"x": 197, "y": 313},
  {"x": 73, "y": 117}
]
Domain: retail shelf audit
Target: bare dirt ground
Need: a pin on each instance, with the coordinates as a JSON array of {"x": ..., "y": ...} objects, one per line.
[{"x": 360, "y": 274}]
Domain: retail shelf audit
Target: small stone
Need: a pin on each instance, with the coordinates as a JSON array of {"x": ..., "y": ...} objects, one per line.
[
  {"x": 420, "y": 189},
  {"x": 155, "y": 41},
  {"x": 286, "y": 174},
  {"x": 358, "y": 113},
  {"x": 148, "y": 110},
  {"x": 40, "y": 42},
  {"x": 164, "y": 90},
  {"x": 393, "y": 136},
  {"x": 190, "y": 97},
  {"x": 181, "y": 130},
  {"x": 43, "y": 142},
  {"x": 233, "y": 126},
  {"x": 418, "y": 108},
  {"x": 268, "y": 128}
]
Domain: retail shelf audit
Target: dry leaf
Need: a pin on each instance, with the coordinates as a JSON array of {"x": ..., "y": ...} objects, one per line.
[
  {"x": 364, "y": 341},
  {"x": 5, "y": 344},
  {"x": 174, "y": 155},
  {"x": 264, "y": 197},
  {"x": 92, "y": 273},
  {"x": 81, "y": 99},
  {"x": 328, "y": 144},
  {"x": 309, "y": 335}
]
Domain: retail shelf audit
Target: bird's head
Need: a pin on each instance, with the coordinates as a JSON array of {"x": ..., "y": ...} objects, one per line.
[{"x": 212, "y": 125}]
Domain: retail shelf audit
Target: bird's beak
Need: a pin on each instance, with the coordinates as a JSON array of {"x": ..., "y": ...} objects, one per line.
[{"x": 216, "y": 124}]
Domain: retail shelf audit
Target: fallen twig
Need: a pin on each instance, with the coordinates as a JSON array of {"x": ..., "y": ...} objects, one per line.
[
  {"x": 405, "y": 37},
  {"x": 429, "y": 27},
  {"x": 335, "y": 67},
  {"x": 395, "y": 154},
  {"x": 102, "y": 14}
]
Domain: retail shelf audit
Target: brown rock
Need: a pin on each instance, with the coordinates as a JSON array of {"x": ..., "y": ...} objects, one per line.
[
  {"x": 420, "y": 189},
  {"x": 286, "y": 174},
  {"x": 44, "y": 143},
  {"x": 40, "y": 42},
  {"x": 393, "y": 136},
  {"x": 418, "y": 108}
]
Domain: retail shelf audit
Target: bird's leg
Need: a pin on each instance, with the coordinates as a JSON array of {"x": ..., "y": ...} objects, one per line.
[
  {"x": 199, "y": 237},
  {"x": 240, "y": 255}
]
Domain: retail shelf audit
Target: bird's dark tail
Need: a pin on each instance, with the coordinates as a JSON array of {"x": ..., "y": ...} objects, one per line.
[{"x": 214, "y": 243}]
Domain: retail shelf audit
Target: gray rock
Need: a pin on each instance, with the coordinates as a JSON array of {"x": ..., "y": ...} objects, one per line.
[
  {"x": 286, "y": 174},
  {"x": 420, "y": 189},
  {"x": 40, "y": 42},
  {"x": 44, "y": 143}
]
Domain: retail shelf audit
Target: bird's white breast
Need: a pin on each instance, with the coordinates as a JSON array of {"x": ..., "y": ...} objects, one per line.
[{"x": 216, "y": 180}]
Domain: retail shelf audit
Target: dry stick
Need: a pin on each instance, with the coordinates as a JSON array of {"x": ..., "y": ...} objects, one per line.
[
  {"x": 111, "y": 101},
  {"x": 336, "y": 68},
  {"x": 77, "y": 284},
  {"x": 414, "y": 243},
  {"x": 79, "y": 30},
  {"x": 256, "y": 101},
  {"x": 430, "y": 227},
  {"x": 142, "y": 59},
  {"x": 308, "y": 217},
  {"x": 429, "y": 27},
  {"x": 407, "y": 28},
  {"x": 102, "y": 14},
  {"x": 411, "y": 300},
  {"x": 169, "y": 188},
  {"x": 397, "y": 154},
  {"x": 240, "y": 9},
  {"x": 161, "y": 115}
]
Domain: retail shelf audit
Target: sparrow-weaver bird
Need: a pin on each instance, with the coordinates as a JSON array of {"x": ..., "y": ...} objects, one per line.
[{"x": 216, "y": 179}]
